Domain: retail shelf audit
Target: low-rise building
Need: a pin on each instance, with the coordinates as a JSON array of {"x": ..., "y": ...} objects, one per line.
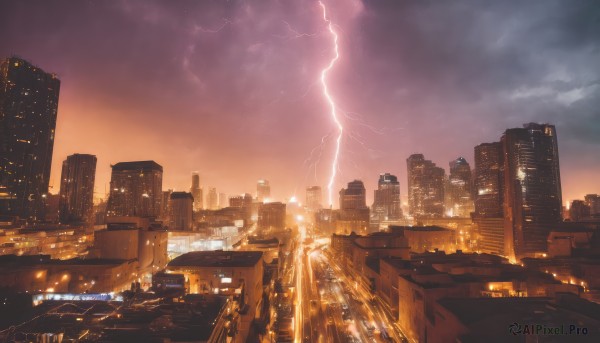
[{"x": 236, "y": 273}]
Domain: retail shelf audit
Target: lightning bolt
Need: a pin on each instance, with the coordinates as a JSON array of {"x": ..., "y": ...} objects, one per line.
[{"x": 324, "y": 72}]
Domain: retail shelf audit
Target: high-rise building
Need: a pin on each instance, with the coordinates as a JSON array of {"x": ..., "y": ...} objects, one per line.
[
  {"x": 458, "y": 192},
  {"x": 425, "y": 187},
  {"x": 245, "y": 203},
  {"x": 28, "y": 109},
  {"x": 532, "y": 189},
  {"x": 271, "y": 216},
  {"x": 136, "y": 190},
  {"x": 196, "y": 191},
  {"x": 353, "y": 197},
  {"x": 313, "y": 198},
  {"x": 263, "y": 190},
  {"x": 181, "y": 206},
  {"x": 165, "y": 210},
  {"x": 593, "y": 201},
  {"x": 489, "y": 195},
  {"x": 223, "y": 200},
  {"x": 386, "y": 203},
  {"x": 77, "y": 189},
  {"x": 578, "y": 210},
  {"x": 489, "y": 180},
  {"x": 212, "y": 199},
  {"x": 354, "y": 213}
]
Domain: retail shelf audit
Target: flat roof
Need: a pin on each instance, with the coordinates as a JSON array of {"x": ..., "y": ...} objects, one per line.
[
  {"x": 217, "y": 258},
  {"x": 137, "y": 165}
]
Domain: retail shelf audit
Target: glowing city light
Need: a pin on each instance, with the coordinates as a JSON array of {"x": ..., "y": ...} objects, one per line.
[{"x": 324, "y": 72}]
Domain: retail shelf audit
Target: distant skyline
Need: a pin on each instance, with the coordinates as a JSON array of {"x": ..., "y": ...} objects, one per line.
[{"x": 230, "y": 88}]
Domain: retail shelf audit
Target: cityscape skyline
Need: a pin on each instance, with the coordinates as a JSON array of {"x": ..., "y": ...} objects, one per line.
[
  {"x": 299, "y": 171},
  {"x": 225, "y": 132}
]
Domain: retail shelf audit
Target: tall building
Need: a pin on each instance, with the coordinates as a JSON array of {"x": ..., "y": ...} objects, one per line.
[
  {"x": 489, "y": 180},
  {"x": 28, "y": 109},
  {"x": 460, "y": 203},
  {"x": 245, "y": 203},
  {"x": 181, "y": 211},
  {"x": 77, "y": 189},
  {"x": 313, "y": 198},
  {"x": 532, "y": 189},
  {"x": 425, "y": 187},
  {"x": 354, "y": 213},
  {"x": 386, "y": 203},
  {"x": 136, "y": 190},
  {"x": 263, "y": 190},
  {"x": 271, "y": 216},
  {"x": 593, "y": 201},
  {"x": 223, "y": 200},
  {"x": 353, "y": 197},
  {"x": 489, "y": 195},
  {"x": 196, "y": 191},
  {"x": 212, "y": 199}
]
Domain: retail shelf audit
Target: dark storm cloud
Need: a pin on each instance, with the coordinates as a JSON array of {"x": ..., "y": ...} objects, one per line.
[{"x": 230, "y": 88}]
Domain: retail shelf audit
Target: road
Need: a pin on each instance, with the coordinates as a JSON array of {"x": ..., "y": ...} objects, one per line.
[{"x": 331, "y": 306}]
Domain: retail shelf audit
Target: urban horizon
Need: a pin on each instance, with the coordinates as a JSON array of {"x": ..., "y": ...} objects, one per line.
[
  {"x": 380, "y": 137},
  {"x": 310, "y": 171}
]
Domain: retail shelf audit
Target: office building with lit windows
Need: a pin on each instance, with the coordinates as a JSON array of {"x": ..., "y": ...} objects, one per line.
[
  {"x": 532, "y": 188},
  {"x": 196, "y": 191},
  {"x": 28, "y": 110},
  {"x": 77, "y": 189},
  {"x": 425, "y": 187},
  {"x": 136, "y": 190},
  {"x": 263, "y": 190},
  {"x": 386, "y": 203}
]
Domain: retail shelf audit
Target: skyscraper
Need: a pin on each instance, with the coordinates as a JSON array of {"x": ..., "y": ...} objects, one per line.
[
  {"x": 532, "y": 189},
  {"x": 460, "y": 203},
  {"x": 353, "y": 213},
  {"x": 425, "y": 187},
  {"x": 489, "y": 195},
  {"x": 181, "y": 211},
  {"x": 386, "y": 204},
  {"x": 196, "y": 191},
  {"x": 313, "y": 198},
  {"x": 77, "y": 189},
  {"x": 136, "y": 189},
  {"x": 263, "y": 190},
  {"x": 28, "y": 109},
  {"x": 212, "y": 199},
  {"x": 353, "y": 197},
  {"x": 489, "y": 180},
  {"x": 223, "y": 200}
]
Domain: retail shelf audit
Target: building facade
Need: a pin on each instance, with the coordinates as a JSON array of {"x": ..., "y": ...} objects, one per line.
[
  {"x": 489, "y": 197},
  {"x": 196, "y": 191},
  {"x": 136, "y": 190},
  {"x": 77, "y": 189},
  {"x": 181, "y": 211},
  {"x": 532, "y": 188},
  {"x": 386, "y": 203},
  {"x": 425, "y": 187},
  {"x": 459, "y": 189},
  {"x": 263, "y": 190},
  {"x": 28, "y": 110},
  {"x": 314, "y": 197}
]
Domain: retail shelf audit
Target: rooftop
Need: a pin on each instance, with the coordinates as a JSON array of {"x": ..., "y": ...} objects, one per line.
[
  {"x": 137, "y": 165},
  {"x": 217, "y": 258}
]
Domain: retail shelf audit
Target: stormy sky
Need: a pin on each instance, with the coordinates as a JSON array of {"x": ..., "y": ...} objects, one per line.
[{"x": 231, "y": 88}]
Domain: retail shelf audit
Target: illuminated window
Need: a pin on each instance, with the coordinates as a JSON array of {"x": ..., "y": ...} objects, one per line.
[{"x": 225, "y": 280}]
